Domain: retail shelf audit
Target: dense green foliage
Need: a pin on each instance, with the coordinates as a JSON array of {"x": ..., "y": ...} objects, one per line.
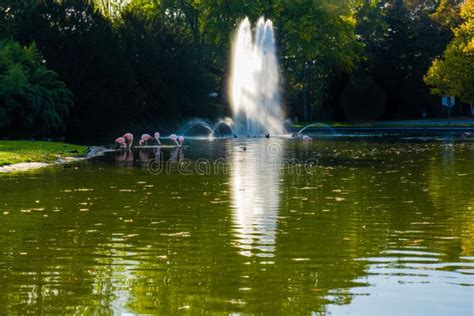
[
  {"x": 150, "y": 63},
  {"x": 32, "y": 99},
  {"x": 136, "y": 70},
  {"x": 454, "y": 73},
  {"x": 400, "y": 42}
]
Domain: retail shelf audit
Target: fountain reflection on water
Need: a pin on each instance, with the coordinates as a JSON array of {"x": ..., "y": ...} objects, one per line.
[
  {"x": 255, "y": 186},
  {"x": 344, "y": 240}
]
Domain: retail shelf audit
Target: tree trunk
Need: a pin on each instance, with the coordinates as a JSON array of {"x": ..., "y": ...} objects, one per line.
[
  {"x": 311, "y": 113},
  {"x": 305, "y": 94}
]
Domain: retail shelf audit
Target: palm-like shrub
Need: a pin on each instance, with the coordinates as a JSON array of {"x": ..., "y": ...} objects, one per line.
[{"x": 33, "y": 101}]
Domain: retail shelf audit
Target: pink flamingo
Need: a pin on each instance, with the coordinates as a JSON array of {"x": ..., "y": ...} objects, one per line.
[
  {"x": 129, "y": 138},
  {"x": 306, "y": 138},
  {"x": 157, "y": 137},
  {"x": 145, "y": 138},
  {"x": 174, "y": 138},
  {"x": 121, "y": 142},
  {"x": 181, "y": 141}
]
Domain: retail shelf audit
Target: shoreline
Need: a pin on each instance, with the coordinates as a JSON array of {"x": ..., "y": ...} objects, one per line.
[
  {"x": 93, "y": 151},
  {"x": 454, "y": 123},
  {"x": 388, "y": 129}
]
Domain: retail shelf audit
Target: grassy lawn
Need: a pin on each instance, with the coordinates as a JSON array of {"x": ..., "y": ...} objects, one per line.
[{"x": 12, "y": 152}]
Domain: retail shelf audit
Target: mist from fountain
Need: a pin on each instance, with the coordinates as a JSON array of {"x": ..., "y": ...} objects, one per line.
[{"x": 254, "y": 83}]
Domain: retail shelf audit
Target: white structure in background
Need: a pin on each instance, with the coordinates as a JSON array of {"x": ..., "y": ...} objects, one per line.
[{"x": 449, "y": 102}]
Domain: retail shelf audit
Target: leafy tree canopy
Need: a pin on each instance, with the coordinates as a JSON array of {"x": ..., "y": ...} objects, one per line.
[
  {"x": 453, "y": 74},
  {"x": 33, "y": 101},
  {"x": 152, "y": 62}
]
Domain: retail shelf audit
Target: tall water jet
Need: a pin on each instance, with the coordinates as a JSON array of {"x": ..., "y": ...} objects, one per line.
[{"x": 254, "y": 83}]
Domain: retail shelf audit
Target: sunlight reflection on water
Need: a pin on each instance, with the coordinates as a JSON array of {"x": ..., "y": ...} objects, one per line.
[{"x": 377, "y": 227}]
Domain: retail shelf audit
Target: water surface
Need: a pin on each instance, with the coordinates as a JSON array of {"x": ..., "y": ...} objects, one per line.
[{"x": 352, "y": 226}]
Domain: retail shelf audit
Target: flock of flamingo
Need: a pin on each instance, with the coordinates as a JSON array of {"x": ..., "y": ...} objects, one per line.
[{"x": 126, "y": 141}]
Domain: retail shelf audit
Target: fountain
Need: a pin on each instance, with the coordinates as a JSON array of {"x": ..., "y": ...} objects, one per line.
[
  {"x": 319, "y": 126},
  {"x": 222, "y": 128},
  {"x": 228, "y": 123},
  {"x": 254, "y": 81},
  {"x": 196, "y": 123}
]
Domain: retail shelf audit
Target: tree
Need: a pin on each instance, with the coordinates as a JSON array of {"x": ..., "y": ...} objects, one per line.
[
  {"x": 317, "y": 40},
  {"x": 363, "y": 98},
  {"x": 165, "y": 65},
  {"x": 138, "y": 67},
  {"x": 453, "y": 74},
  {"x": 447, "y": 13},
  {"x": 400, "y": 40},
  {"x": 110, "y": 8},
  {"x": 318, "y": 47},
  {"x": 78, "y": 43},
  {"x": 135, "y": 62},
  {"x": 33, "y": 101}
]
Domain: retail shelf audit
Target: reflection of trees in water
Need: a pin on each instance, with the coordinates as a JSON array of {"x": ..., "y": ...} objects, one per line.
[
  {"x": 360, "y": 212},
  {"x": 157, "y": 244},
  {"x": 450, "y": 190},
  {"x": 183, "y": 266},
  {"x": 57, "y": 271}
]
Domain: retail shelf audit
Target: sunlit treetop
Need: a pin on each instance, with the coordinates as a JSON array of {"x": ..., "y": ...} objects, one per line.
[
  {"x": 111, "y": 8},
  {"x": 453, "y": 74},
  {"x": 447, "y": 13}
]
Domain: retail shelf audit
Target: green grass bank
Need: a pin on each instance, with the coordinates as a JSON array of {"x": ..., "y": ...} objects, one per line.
[{"x": 12, "y": 152}]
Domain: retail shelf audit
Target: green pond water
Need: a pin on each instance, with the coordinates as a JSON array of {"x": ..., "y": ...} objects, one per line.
[{"x": 340, "y": 226}]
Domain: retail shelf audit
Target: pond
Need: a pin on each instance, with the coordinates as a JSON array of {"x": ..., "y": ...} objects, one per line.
[{"x": 364, "y": 225}]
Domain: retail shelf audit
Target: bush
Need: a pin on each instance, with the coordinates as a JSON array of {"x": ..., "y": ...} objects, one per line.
[{"x": 33, "y": 101}]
